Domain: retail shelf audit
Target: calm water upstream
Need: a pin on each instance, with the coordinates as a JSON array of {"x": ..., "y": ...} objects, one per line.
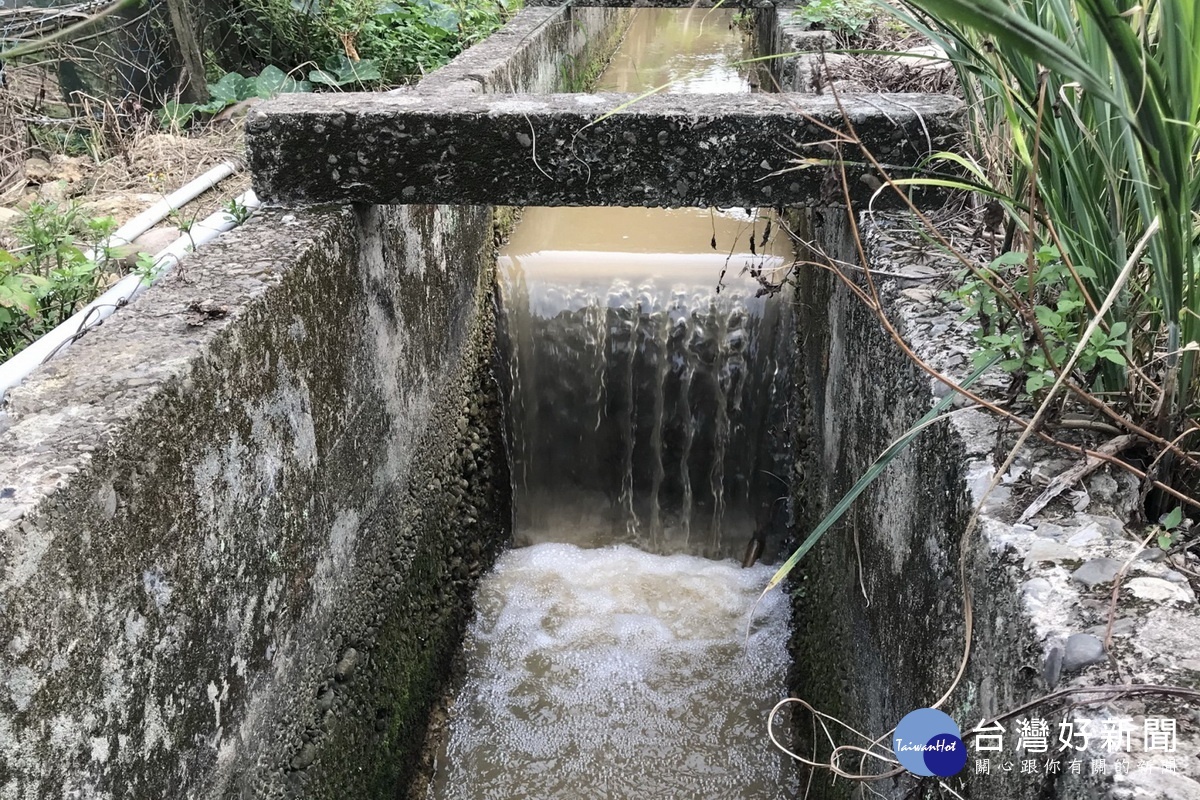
[{"x": 609, "y": 657}]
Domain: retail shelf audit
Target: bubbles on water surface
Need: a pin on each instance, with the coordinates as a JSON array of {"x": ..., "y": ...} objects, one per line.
[{"x": 613, "y": 673}]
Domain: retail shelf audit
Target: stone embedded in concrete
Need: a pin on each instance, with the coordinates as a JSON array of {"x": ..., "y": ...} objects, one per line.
[
  {"x": 1096, "y": 571},
  {"x": 1082, "y": 650},
  {"x": 1159, "y": 590},
  {"x": 559, "y": 150},
  {"x": 1050, "y": 550},
  {"x": 1052, "y": 667}
]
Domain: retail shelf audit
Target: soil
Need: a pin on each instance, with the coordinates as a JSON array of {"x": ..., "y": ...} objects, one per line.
[{"x": 111, "y": 162}]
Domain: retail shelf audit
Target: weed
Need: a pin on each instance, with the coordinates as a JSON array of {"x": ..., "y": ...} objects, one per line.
[
  {"x": 238, "y": 211},
  {"x": 47, "y": 277},
  {"x": 1088, "y": 131},
  {"x": 340, "y": 72},
  {"x": 1058, "y": 307},
  {"x": 840, "y": 16},
  {"x": 363, "y": 42},
  {"x": 1172, "y": 529},
  {"x": 146, "y": 268}
]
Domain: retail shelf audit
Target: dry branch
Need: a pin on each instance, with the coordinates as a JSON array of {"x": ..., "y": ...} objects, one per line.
[{"x": 1077, "y": 473}]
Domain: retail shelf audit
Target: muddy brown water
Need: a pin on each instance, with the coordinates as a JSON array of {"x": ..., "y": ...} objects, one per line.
[{"x": 612, "y": 655}]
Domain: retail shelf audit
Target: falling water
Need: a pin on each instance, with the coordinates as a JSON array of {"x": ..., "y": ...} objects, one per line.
[
  {"x": 646, "y": 363},
  {"x": 648, "y": 373}
]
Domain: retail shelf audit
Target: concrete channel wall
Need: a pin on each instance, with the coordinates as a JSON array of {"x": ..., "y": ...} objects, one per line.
[
  {"x": 240, "y": 525},
  {"x": 879, "y": 621}
]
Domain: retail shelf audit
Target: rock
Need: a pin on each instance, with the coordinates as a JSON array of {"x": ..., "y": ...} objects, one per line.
[
  {"x": 1050, "y": 550},
  {"x": 1152, "y": 554},
  {"x": 1037, "y": 589},
  {"x": 1045, "y": 471},
  {"x": 1082, "y": 650},
  {"x": 1090, "y": 533},
  {"x": 1174, "y": 577},
  {"x": 54, "y": 192},
  {"x": 38, "y": 170},
  {"x": 1096, "y": 571},
  {"x": 305, "y": 758},
  {"x": 1049, "y": 530},
  {"x": 345, "y": 668},
  {"x": 919, "y": 295},
  {"x": 152, "y": 241},
  {"x": 1052, "y": 669},
  {"x": 1153, "y": 783},
  {"x": 1121, "y": 626},
  {"x": 8, "y": 216},
  {"x": 71, "y": 169},
  {"x": 1104, "y": 488},
  {"x": 1159, "y": 590}
]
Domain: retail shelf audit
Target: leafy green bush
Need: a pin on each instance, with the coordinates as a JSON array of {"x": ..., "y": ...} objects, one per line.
[
  {"x": 1059, "y": 310},
  {"x": 398, "y": 39},
  {"x": 48, "y": 277},
  {"x": 340, "y": 71}
]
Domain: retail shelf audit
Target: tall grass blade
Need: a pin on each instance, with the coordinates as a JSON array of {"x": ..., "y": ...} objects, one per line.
[{"x": 880, "y": 464}]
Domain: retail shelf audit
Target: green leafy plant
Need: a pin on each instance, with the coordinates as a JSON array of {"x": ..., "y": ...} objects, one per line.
[
  {"x": 340, "y": 71},
  {"x": 1086, "y": 120},
  {"x": 146, "y": 267},
  {"x": 402, "y": 39},
  {"x": 841, "y": 16},
  {"x": 233, "y": 88},
  {"x": 48, "y": 276},
  {"x": 1171, "y": 531},
  {"x": 1059, "y": 311},
  {"x": 238, "y": 211}
]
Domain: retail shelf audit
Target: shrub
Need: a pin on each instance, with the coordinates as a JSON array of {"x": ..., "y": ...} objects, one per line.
[
  {"x": 400, "y": 39},
  {"x": 48, "y": 276}
]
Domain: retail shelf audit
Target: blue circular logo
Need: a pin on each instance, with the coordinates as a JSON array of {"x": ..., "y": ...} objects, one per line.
[{"x": 927, "y": 742}]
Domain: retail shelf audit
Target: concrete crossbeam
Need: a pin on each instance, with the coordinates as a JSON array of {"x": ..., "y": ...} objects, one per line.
[{"x": 575, "y": 150}]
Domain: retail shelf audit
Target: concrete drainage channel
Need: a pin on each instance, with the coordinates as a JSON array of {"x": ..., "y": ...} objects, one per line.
[{"x": 237, "y": 560}]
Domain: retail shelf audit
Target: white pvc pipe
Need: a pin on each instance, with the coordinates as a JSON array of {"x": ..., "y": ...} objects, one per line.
[
  {"x": 175, "y": 200},
  {"x": 17, "y": 368}
]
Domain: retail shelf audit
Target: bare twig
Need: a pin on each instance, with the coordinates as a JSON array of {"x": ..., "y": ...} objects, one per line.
[{"x": 1077, "y": 473}]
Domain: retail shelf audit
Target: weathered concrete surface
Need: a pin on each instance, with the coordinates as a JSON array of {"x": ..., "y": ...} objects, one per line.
[
  {"x": 800, "y": 48},
  {"x": 240, "y": 524},
  {"x": 556, "y": 150},
  {"x": 884, "y": 588},
  {"x": 540, "y": 50}
]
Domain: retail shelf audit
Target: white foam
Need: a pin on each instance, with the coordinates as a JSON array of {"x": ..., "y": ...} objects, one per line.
[{"x": 614, "y": 673}]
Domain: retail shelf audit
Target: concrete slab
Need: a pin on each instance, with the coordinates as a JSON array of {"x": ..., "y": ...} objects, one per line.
[{"x": 574, "y": 149}]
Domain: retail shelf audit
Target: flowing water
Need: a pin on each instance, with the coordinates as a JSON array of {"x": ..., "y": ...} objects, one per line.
[
  {"x": 609, "y": 659},
  {"x": 646, "y": 368}
]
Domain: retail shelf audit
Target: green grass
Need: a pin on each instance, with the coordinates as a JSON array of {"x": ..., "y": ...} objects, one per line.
[{"x": 1086, "y": 123}]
